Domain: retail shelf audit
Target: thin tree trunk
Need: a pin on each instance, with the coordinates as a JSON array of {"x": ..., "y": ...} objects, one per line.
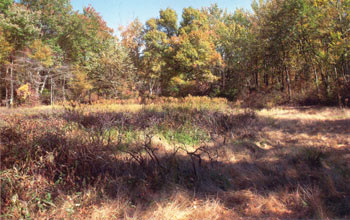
[
  {"x": 256, "y": 74},
  {"x": 6, "y": 86},
  {"x": 344, "y": 76},
  {"x": 338, "y": 88},
  {"x": 288, "y": 85},
  {"x": 324, "y": 78},
  {"x": 151, "y": 86},
  {"x": 63, "y": 88},
  {"x": 43, "y": 86},
  {"x": 51, "y": 93},
  {"x": 223, "y": 80},
  {"x": 316, "y": 81},
  {"x": 6, "y": 89},
  {"x": 266, "y": 78},
  {"x": 6, "y": 94},
  {"x": 282, "y": 80},
  {"x": 11, "y": 85},
  {"x": 37, "y": 88},
  {"x": 90, "y": 101}
]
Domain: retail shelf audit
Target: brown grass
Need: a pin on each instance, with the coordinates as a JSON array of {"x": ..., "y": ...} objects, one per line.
[{"x": 90, "y": 162}]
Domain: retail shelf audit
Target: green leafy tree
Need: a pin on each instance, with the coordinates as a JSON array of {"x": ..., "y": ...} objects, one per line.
[
  {"x": 153, "y": 58},
  {"x": 119, "y": 79},
  {"x": 4, "y": 5},
  {"x": 234, "y": 41},
  {"x": 53, "y": 18},
  {"x": 195, "y": 52},
  {"x": 20, "y": 25},
  {"x": 20, "y": 28},
  {"x": 132, "y": 39},
  {"x": 167, "y": 22}
]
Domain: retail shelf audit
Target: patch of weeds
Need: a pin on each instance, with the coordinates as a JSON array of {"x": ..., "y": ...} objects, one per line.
[
  {"x": 44, "y": 202},
  {"x": 220, "y": 180},
  {"x": 70, "y": 126},
  {"x": 152, "y": 108},
  {"x": 187, "y": 135},
  {"x": 180, "y": 114},
  {"x": 130, "y": 136},
  {"x": 312, "y": 156},
  {"x": 243, "y": 141},
  {"x": 247, "y": 143}
]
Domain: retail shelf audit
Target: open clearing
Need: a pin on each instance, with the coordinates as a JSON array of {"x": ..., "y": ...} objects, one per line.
[{"x": 195, "y": 158}]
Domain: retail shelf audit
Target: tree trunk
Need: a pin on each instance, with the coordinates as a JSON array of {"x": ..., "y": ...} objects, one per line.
[
  {"x": 344, "y": 76},
  {"x": 316, "y": 81},
  {"x": 256, "y": 74},
  {"x": 151, "y": 86},
  {"x": 11, "y": 85},
  {"x": 282, "y": 80},
  {"x": 6, "y": 94},
  {"x": 51, "y": 93},
  {"x": 325, "y": 83},
  {"x": 288, "y": 85},
  {"x": 340, "y": 103},
  {"x": 90, "y": 101},
  {"x": 223, "y": 79},
  {"x": 6, "y": 86},
  {"x": 63, "y": 88},
  {"x": 43, "y": 86},
  {"x": 37, "y": 86},
  {"x": 266, "y": 80},
  {"x": 6, "y": 89}
]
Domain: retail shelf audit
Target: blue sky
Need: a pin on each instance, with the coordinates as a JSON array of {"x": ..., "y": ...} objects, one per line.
[{"x": 122, "y": 12}]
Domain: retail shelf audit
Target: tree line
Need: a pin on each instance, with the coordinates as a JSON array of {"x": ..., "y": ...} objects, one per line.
[{"x": 298, "y": 50}]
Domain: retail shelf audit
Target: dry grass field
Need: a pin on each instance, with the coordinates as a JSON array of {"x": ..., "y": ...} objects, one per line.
[{"x": 191, "y": 158}]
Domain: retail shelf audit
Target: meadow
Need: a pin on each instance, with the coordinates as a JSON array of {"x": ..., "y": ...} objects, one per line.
[{"x": 189, "y": 158}]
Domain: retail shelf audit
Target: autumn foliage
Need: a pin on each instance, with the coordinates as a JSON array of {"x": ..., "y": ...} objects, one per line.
[{"x": 288, "y": 52}]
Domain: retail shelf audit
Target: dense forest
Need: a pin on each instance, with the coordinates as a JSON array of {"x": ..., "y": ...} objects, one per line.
[{"x": 295, "y": 51}]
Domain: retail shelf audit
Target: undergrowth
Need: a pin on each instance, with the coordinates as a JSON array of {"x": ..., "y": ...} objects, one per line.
[{"x": 170, "y": 159}]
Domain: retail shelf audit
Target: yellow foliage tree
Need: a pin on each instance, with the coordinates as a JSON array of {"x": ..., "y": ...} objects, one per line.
[
  {"x": 80, "y": 84},
  {"x": 42, "y": 53},
  {"x": 23, "y": 93},
  {"x": 5, "y": 47}
]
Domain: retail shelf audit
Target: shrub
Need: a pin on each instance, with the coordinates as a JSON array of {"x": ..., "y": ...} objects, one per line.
[{"x": 26, "y": 96}]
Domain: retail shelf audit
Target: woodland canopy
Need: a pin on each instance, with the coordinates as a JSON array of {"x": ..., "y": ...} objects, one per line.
[{"x": 295, "y": 51}]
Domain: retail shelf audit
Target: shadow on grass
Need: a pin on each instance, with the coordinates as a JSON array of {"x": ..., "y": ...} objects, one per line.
[
  {"x": 73, "y": 164},
  {"x": 214, "y": 121},
  {"x": 78, "y": 167}
]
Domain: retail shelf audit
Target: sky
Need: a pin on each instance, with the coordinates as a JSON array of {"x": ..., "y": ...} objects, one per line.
[{"x": 122, "y": 12}]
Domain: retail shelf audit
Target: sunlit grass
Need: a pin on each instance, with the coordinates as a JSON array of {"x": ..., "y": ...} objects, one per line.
[
  {"x": 306, "y": 114},
  {"x": 66, "y": 162}
]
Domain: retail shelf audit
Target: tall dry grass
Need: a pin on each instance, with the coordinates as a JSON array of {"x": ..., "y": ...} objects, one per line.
[{"x": 130, "y": 161}]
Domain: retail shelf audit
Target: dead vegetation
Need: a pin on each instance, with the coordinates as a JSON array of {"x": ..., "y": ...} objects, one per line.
[{"x": 199, "y": 159}]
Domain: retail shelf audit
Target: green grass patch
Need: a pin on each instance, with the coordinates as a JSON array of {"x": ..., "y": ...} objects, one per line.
[{"x": 187, "y": 135}]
